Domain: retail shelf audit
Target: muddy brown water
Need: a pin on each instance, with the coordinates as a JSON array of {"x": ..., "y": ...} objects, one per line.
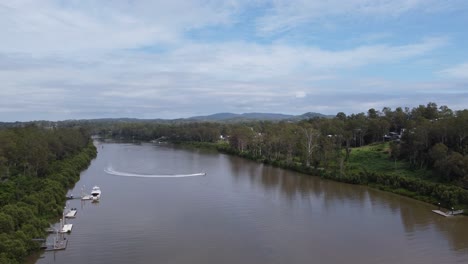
[{"x": 155, "y": 208}]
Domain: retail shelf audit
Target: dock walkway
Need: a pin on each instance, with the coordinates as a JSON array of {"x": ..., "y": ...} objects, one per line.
[
  {"x": 66, "y": 228},
  {"x": 71, "y": 213},
  {"x": 86, "y": 197},
  {"x": 59, "y": 244}
]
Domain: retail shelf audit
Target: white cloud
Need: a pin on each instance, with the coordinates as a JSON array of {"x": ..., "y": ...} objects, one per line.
[
  {"x": 285, "y": 14},
  {"x": 251, "y": 61},
  {"x": 69, "y": 59},
  {"x": 235, "y": 75},
  {"x": 458, "y": 71},
  {"x": 301, "y": 94},
  {"x": 77, "y": 26},
  {"x": 52, "y": 26}
]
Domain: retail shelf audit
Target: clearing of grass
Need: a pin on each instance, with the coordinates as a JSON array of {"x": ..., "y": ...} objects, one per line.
[{"x": 376, "y": 158}]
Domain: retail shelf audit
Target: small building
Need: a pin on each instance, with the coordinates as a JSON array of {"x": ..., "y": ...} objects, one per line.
[{"x": 392, "y": 136}]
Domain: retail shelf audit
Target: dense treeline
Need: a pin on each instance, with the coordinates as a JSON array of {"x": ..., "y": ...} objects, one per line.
[
  {"x": 37, "y": 166},
  {"x": 426, "y": 137}
]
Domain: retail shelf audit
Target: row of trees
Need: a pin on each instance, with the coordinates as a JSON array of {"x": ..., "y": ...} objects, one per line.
[
  {"x": 430, "y": 141},
  {"x": 30, "y": 150},
  {"x": 37, "y": 166},
  {"x": 426, "y": 136}
]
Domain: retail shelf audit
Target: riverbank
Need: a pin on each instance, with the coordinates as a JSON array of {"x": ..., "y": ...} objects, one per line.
[
  {"x": 266, "y": 206},
  {"x": 39, "y": 201},
  {"x": 368, "y": 166}
]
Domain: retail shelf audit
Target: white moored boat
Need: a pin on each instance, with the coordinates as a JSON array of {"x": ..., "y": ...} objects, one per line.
[{"x": 96, "y": 193}]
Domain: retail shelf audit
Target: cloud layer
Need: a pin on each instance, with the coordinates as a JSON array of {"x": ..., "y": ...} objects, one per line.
[{"x": 147, "y": 59}]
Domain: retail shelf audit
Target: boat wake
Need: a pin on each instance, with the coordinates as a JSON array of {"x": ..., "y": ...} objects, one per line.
[{"x": 111, "y": 171}]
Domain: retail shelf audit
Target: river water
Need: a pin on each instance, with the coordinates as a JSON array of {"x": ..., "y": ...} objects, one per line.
[{"x": 243, "y": 212}]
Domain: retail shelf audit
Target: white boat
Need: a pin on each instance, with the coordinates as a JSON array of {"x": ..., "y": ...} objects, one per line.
[{"x": 96, "y": 193}]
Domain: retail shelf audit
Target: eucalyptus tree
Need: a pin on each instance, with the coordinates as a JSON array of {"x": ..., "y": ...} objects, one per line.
[
  {"x": 240, "y": 137},
  {"x": 310, "y": 140},
  {"x": 461, "y": 130},
  {"x": 289, "y": 133}
]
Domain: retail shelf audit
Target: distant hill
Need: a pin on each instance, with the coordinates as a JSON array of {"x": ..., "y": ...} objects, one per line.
[
  {"x": 215, "y": 117},
  {"x": 309, "y": 115},
  {"x": 230, "y": 117},
  {"x": 219, "y": 117}
]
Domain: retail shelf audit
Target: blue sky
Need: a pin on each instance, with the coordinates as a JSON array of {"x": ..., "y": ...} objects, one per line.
[{"x": 168, "y": 59}]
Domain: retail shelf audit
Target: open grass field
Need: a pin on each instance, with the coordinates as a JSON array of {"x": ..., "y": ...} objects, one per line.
[{"x": 376, "y": 158}]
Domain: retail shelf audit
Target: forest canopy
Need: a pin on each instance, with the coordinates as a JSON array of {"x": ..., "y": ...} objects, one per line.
[
  {"x": 37, "y": 166},
  {"x": 420, "y": 152},
  {"x": 427, "y": 137}
]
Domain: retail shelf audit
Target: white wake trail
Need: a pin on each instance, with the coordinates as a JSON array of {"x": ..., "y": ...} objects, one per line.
[{"x": 111, "y": 171}]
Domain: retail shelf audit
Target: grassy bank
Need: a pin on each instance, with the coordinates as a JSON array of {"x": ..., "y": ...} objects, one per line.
[{"x": 375, "y": 158}]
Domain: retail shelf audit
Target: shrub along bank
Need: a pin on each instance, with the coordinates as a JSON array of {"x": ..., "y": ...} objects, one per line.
[{"x": 412, "y": 186}]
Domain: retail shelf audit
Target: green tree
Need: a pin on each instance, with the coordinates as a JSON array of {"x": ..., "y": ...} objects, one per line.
[
  {"x": 7, "y": 224},
  {"x": 395, "y": 151},
  {"x": 309, "y": 141}
]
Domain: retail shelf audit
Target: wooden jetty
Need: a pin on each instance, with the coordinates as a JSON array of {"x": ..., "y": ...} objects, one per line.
[
  {"x": 60, "y": 243},
  {"x": 448, "y": 213},
  {"x": 86, "y": 197},
  {"x": 50, "y": 230},
  {"x": 71, "y": 213},
  {"x": 64, "y": 227}
]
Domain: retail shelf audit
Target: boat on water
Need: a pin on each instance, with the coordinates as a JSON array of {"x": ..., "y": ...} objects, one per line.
[{"x": 96, "y": 193}]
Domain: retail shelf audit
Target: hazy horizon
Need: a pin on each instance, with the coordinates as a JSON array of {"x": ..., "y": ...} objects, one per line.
[
  {"x": 186, "y": 117},
  {"x": 158, "y": 59}
]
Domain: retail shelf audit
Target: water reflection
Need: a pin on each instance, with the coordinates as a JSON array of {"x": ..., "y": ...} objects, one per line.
[{"x": 415, "y": 216}]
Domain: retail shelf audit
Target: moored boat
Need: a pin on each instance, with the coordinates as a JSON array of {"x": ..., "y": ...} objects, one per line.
[{"x": 96, "y": 193}]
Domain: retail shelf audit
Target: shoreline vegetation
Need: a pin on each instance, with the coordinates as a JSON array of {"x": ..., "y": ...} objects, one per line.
[
  {"x": 420, "y": 152},
  {"x": 409, "y": 185},
  {"x": 37, "y": 167}
]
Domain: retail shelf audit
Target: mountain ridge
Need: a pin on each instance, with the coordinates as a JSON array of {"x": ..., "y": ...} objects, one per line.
[
  {"x": 217, "y": 117},
  {"x": 257, "y": 116}
]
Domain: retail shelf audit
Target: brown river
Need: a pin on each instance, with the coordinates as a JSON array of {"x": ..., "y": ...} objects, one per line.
[{"x": 156, "y": 207}]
